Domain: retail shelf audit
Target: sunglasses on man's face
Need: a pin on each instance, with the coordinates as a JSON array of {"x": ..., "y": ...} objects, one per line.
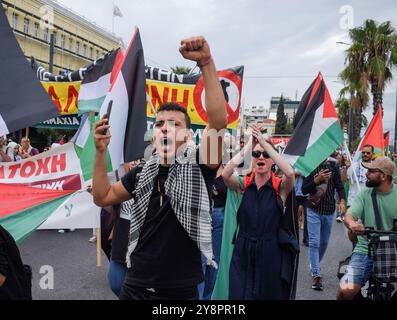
[
  {"x": 367, "y": 152},
  {"x": 374, "y": 171},
  {"x": 257, "y": 154}
]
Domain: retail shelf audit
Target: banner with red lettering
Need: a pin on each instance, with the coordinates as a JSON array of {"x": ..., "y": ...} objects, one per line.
[
  {"x": 188, "y": 90},
  {"x": 46, "y": 191},
  {"x": 57, "y": 169}
]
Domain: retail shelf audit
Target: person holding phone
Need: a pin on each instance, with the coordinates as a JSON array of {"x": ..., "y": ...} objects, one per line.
[
  {"x": 171, "y": 216},
  {"x": 321, "y": 216}
]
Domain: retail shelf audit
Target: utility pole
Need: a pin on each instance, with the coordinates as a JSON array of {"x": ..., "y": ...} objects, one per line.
[
  {"x": 351, "y": 122},
  {"x": 395, "y": 128},
  {"x": 52, "y": 42}
]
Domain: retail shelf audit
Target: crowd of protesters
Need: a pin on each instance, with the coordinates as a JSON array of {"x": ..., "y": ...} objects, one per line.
[{"x": 192, "y": 225}]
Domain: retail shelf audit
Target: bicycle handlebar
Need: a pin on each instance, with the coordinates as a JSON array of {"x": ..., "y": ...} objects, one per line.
[{"x": 372, "y": 231}]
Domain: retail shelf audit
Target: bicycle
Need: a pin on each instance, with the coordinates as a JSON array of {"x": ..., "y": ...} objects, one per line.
[{"x": 382, "y": 247}]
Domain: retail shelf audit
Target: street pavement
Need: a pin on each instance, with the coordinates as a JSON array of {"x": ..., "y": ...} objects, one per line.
[{"x": 76, "y": 276}]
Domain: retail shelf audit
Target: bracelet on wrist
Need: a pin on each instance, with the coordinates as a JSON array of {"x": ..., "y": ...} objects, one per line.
[{"x": 204, "y": 63}]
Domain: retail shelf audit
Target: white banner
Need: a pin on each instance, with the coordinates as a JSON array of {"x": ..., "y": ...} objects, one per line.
[
  {"x": 78, "y": 212},
  {"x": 57, "y": 169}
]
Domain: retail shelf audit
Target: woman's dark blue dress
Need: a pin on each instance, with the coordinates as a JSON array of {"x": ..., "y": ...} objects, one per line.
[{"x": 255, "y": 270}]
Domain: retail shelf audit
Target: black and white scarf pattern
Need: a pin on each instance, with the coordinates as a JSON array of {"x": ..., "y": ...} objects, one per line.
[{"x": 186, "y": 189}]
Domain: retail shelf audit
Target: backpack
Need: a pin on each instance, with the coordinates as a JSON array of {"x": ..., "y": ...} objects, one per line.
[
  {"x": 18, "y": 283},
  {"x": 276, "y": 182}
]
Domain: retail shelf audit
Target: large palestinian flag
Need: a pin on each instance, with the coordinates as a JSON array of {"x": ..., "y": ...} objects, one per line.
[
  {"x": 128, "y": 117},
  {"x": 317, "y": 133},
  {"x": 48, "y": 185},
  {"x": 373, "y": 136},
  {"x": 23, "y": 101},
  {"x": 23, "y": 209}
]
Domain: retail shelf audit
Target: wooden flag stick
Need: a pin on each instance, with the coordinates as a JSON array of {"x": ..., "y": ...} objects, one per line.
[
  {"x": 27, "y": 133},
  {"x": 98, "y": 248}
]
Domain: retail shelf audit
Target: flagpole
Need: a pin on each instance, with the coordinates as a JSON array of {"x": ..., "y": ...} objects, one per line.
[
  {"x": 98, "y": 247},
  {"x": 113, "y": 17},
  {"x": 352, "y": 165}
]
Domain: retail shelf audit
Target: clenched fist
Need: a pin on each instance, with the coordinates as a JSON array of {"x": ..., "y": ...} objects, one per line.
[{"x": 196, "y": 49}]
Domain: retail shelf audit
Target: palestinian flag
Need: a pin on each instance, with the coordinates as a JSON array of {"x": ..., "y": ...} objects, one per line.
[
  {"x": 373, "y": 136},
  {"x": 24, "y": 102},
  {"x": 96, "y": 82},
  {"x": 306, "y": 99},
  {"x": 85, "y": 147},
  {"x": 128, "y": 116},
  {"x": 317, "y": 133},
  {"x": 23, "y": 209}
]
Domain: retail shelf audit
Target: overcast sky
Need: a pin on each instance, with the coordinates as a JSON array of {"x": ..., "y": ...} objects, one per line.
[{"x": 282, "y": 44}]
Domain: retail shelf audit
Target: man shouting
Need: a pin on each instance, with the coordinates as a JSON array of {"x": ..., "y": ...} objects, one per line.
[{"x": 171, "y": 215}]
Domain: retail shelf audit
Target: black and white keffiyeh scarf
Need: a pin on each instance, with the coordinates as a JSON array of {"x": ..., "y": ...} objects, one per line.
[{"x": 186, "y": 189}]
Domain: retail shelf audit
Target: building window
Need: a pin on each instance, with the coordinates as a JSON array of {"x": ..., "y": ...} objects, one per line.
[
  {"x": 62, "y": 41},
  {"x": 45, "y": 35},
  {"x": 26, "y": 25},
  {"x": 97, "y": 54},
  {"x": 84, "y": 50},
  {"x": 70, "y": 44},
  {"x": 91, "y": 53},
  {"x": 14, "y": 21},
  {"x": 55, "y": 38},
  {"x": 36, "y": 30},
  {"x": 77, "y": 47}
]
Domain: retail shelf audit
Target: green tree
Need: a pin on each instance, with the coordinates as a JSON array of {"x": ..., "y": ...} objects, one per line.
[
  {"x": 372, "y": 56},
  {"x": 181, "y": 70},
  {"x": 355, "y": 85},
  {"x": 342, "y": 105},
  {"x": 289, "y": 129},
  {"x": 281, "y": 121}
]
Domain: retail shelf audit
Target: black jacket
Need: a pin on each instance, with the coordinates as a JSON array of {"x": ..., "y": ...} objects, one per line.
[
  {"x": 327, "y": 204},
  {"x": 18, "y": 284}
]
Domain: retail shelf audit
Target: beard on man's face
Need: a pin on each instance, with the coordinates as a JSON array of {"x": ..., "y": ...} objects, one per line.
[{"x": 373, "y": 183}]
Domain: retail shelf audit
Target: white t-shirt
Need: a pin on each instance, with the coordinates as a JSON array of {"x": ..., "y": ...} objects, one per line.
[{"x": 362, "y": 179}]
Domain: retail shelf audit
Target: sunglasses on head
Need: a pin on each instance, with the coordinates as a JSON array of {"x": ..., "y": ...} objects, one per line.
[{"x": 257, "y": 154}]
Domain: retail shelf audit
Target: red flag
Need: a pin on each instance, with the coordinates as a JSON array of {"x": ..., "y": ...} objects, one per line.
[{"x": 373, "y": 136}]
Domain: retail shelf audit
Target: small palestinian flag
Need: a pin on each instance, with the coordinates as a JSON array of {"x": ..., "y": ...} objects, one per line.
[
  {"x": 373, "y": 136},
  {"x": 317, "y": 133},
  {"x": 23, "y": 209},
  {"x": 96, "y": 82}
]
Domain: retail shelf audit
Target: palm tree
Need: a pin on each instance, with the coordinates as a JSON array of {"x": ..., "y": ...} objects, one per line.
[
  {"x": 375, "y": 48},
  {"x": 343, "y": 106},
  {"x": 181, "y": 70},
  {"x": 355, "y": 80}
]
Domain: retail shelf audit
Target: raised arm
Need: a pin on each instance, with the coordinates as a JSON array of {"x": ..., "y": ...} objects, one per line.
[
  {"x": 103, "y": 192},
  {"x": 288, "y": 181},
  {"x": 231, "y": 180},
  {"x": 197, "y": 49}
]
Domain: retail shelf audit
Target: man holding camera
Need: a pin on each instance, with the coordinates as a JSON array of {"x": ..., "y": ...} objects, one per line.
[{"x": 320, "y": 212}]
